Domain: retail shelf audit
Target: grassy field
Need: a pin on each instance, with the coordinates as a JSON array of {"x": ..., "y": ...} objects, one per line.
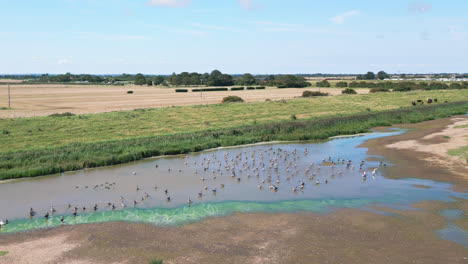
[
  {"x": 31, "y": 133},
  {"x": 461, "y": 152},
  {"x": 46, "y": 99},
  {"x": 46, "y": 145}
]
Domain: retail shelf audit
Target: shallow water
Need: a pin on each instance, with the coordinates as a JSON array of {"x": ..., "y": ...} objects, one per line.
[
  {"x": 455, "y": 234},
  {"x": 345, "y": 188},
  {"x": 452, "y": 214}
]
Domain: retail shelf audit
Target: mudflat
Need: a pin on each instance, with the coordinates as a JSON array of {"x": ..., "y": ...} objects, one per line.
[{"x": 342, "y": 236}]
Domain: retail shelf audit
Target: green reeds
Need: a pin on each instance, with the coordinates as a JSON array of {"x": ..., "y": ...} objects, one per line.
[{"x": 76, "y": 156}]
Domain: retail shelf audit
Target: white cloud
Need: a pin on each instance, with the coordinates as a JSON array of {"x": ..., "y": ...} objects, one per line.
[
  {"x": 248, "y": 5},
  {"x": 419, "y": 7},
  {"x": 214, "y": 27},
  {"x": 195, "y": 33},
  {"x": 425, "y": 35},
  {"x": 127, "y": 12},
  {"x": 456, "y": 33},
  {"x": 92, "y": 35},
  {"x": 169, "y": 3},
  {"x": 62, "y": 61},
  {"x": 341, "y": 18}
]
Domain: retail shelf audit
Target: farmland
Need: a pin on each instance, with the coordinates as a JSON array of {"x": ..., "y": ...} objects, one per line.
[
  {"x": 47, "y": 99},
  {"x": 44, "y": 145}
]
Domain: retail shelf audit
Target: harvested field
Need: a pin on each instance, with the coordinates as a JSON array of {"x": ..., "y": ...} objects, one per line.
[{"x": 46, "y": 99}]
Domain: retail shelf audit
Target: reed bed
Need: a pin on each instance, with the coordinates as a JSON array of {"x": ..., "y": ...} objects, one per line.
[{"x": 75, "y": 156}]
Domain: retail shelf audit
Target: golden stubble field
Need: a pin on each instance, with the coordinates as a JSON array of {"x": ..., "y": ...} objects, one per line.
[{"x": 46, "y": 99}]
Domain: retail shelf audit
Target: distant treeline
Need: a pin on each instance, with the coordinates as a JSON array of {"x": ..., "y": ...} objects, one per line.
[{"x": 407, "y": 86}]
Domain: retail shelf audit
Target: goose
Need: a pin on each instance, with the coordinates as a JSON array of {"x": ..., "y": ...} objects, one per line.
[{"x": 134, "y": 173}]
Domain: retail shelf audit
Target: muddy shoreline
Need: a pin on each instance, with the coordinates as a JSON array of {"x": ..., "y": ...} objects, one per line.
[
  {"x": 416, "y": 164},
  {"x": 343, "y": 236}
]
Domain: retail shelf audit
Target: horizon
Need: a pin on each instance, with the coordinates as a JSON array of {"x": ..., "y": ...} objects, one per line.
[{"x": 159, "y": 37}]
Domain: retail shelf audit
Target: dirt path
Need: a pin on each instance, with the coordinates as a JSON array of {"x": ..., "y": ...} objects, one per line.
[{"x": 41, "y": 100}]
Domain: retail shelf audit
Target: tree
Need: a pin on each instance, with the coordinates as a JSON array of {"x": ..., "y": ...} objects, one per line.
[
  {"x": 369, "y": 76},
  {"x": 247, "y": 79},
  {"x": 195, "y": 79},
  {"x": 216, "y": 78},
  {"x": 140, "y": 79},
  {"x": 382, "y": 75},
  {"x": 149, "y": 83},
  {"x": 158, "y": 80},
  {"x": 341, "y": 84},
  {"x": 290, "y": 81},
  {"x": 323, "y": 83}
]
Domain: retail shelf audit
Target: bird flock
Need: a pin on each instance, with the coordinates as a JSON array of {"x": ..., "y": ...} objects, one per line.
[{"x": 268, "y": 168}]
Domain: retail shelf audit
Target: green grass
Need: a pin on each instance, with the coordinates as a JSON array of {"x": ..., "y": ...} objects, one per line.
[
  {"x": 156, "y": 261},
  {"x": 39, "y": 132},
  {"x": 460, "y": 152},
  {"x": 76, "y": 155},
  {"x": 464, "y": 126},
  {"x": 3, "y": 253},
  {"x": 3, "y": 108}
]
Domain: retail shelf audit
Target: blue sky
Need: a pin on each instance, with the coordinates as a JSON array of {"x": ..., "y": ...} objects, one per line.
[{"x": 234, "y": 36}]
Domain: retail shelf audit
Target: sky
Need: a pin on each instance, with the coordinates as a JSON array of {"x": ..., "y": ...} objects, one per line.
[{"x": 233, "y": 36}]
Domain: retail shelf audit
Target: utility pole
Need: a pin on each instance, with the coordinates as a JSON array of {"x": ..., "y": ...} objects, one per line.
[
  {"x": 9, "y": 101},
  {"x": 201, "y": 90}
]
